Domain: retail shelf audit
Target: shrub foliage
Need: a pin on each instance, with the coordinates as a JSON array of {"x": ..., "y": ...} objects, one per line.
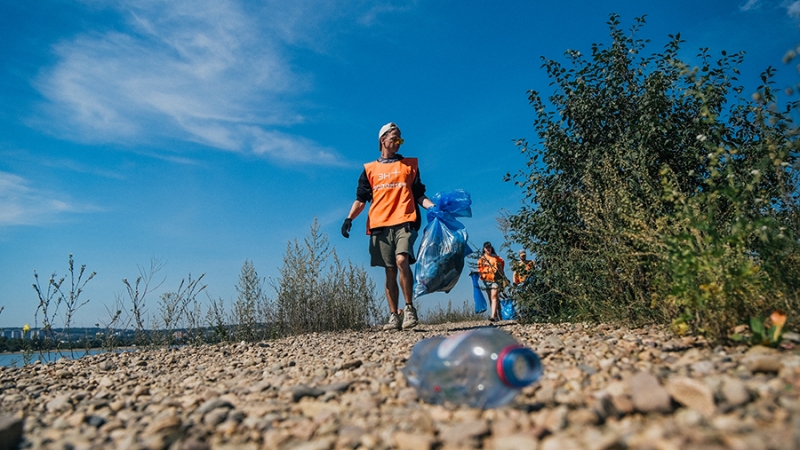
[
  {"x": 657, "y": 192},
  {"x": 316, "y": 291}
]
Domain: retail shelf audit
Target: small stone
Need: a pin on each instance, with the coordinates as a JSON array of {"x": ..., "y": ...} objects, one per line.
[
  {"x": 409, "y": 441},
  {"x": 692, "y": 393},
  {"x": 464, "y": 430},
  {"x": 141, "y": 390},
  {"x": 352, "y": 364},
  {"x": 545, "y": 394},
  {"x": 301, "y": 390},
  {"x": 582, "y": 417},
  {"x": 95, "y": 421},
  {"x": 734, "y": 391},
  {"x": 791, "y": 336},
  {"x": 215, "y": 417},
  {"x": 648, "y": 395},
  {"x": 59, "y": 424},
  {"x": 336, "y": 387},
  {"x": 59, "y": 404},
  {"x": 686, "y": 417},
  {"x": 730, "y": 424},
  {"x": 761, "y": 350},
  {"x": 554, "y": 342},
  {"x": 763, "y": 363},
  {"x": 622, "y": 404},
  {"x": 10, "y": 432},
  {"x": 75, "y": 420},
  {"x": 212, "y": 404},
  {"x": 324, "y": 443},
  {"x": 573, "y": 373},
  {"x": 559, "y": 442},
  {"x": 513, "y": 442},
  {"x": 703, "y": 367},
  {"x": 607, "y": 363},
  {"x": 194, "y": 444},
  {"x": 555, "y": 419},
  {"x": 227, "y": 428},
  {"x": 165, "y": 425}
]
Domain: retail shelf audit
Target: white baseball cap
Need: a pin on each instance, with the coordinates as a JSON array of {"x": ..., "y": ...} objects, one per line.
[{"x": 387, "y": 128}]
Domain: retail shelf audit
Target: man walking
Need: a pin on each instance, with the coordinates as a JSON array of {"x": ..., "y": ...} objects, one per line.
[{"x": 392, "y": 183}]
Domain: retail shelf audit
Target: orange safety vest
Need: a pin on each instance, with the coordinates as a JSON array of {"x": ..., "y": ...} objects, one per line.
[
  {"x": 392, "y": 197},
  {"x": 520, "y": 277},
  {"x": 488, "y": 265}
]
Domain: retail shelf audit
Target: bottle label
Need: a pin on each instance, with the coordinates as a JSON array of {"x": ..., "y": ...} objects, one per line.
[{"x": 448, "y": 345}]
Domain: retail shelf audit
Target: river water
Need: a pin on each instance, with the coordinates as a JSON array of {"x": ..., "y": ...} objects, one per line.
[{"x": 18, "y": 359}]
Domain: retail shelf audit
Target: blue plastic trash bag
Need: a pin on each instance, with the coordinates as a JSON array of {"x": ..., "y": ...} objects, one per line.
[
  {"x": 507, "y": 311},
  {"x": 477, "y": 293},
  {"x": 440, "y": 258}
]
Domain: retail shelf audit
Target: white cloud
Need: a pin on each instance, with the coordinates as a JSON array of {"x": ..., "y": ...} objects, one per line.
[
  {"x": 24, "y": 205},
  {"x": 792, "y": 6},
  {"x": 205, "y": 71},
  {"x": 282, "y": 147},
  {"x": 794, "y": 9},
  {"x": 750, "y": 4}
]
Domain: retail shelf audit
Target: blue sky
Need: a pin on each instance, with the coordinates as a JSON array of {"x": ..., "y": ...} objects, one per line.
[{"x": 203, "y": 133}]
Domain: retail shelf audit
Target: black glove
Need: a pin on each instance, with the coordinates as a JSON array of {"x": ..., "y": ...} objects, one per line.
[{"x": 346, "y": 226}]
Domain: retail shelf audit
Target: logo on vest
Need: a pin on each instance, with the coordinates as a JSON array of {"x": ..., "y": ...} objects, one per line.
[{"x": 384, "y": 176}]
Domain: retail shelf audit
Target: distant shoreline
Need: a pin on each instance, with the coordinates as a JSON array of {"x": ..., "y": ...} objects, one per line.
[{"x": 98, "y": 349}]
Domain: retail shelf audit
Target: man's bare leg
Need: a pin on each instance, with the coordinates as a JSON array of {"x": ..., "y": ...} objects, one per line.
[
  {"x": 392, "y": 292},
  {"x": 406, "y": 278}
]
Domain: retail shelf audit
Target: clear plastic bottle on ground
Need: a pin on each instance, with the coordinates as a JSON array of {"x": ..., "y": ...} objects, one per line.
[{"x": 483, "y": 368}]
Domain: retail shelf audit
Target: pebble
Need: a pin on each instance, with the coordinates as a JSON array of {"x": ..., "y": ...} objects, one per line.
[
  {"x": 648, "y": 395},
  {"x": 692, "y": 393},
  {"x": 763, "y": 364},
  {"x": 734, "y": 391},
  {"x": 604, "y": 387}
]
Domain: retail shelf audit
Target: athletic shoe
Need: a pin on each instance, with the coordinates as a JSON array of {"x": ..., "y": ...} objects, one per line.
[
  {"x": 409, "y": 317},
  {"x": 394, "y": 323}
]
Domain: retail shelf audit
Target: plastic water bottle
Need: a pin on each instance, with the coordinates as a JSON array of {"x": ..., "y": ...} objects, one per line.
[{"x": 482, "y": 368}]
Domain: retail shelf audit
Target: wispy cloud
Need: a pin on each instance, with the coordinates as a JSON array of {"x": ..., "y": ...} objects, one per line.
[
  {"x": 206, "y": 71},
  {"x": 794, "y": 9},
  {"x": 24, "y": 205},
  {"x": 792, "y": 6},
  {"x": 750, "y": 5}
]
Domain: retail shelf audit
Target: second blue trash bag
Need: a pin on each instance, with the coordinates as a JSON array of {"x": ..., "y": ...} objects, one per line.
[
  {"x": 477, "y": 293},
  {"x": 440, "y": 258},
  {"x": 507, "y": 311}
]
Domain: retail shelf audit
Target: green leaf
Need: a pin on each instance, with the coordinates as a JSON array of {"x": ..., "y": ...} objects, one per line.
[{"x": 757, "y": 326}]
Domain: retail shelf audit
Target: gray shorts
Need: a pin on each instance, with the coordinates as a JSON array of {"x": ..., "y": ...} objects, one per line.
[{"x": 387, "y": 242}]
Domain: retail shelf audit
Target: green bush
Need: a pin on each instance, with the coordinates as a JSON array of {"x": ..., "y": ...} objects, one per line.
[{"x": 656, "y": 193}]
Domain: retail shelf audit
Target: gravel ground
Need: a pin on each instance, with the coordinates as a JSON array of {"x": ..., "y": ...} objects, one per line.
[{"x": 603, "y": 388}]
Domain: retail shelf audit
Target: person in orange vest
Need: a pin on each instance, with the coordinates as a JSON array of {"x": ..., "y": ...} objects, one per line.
[
  {"x": 523, "y": 268},
  {"x": 393, "y": 186},
  {"x": 491, "y": 268}
]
